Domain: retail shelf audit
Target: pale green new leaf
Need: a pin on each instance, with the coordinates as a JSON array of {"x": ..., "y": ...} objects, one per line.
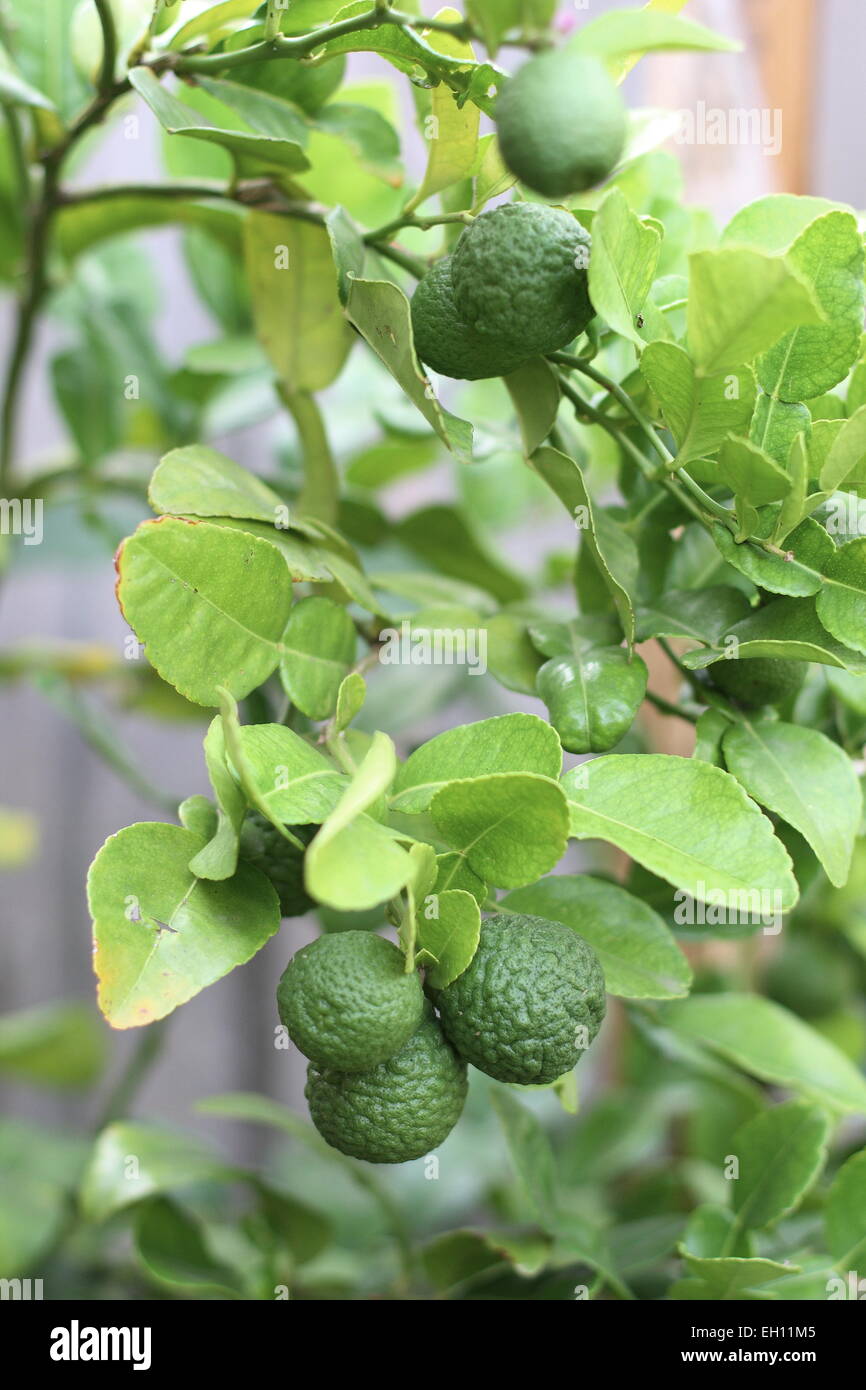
[
  {"x": 846, "y": 453},
  {"x": 622, "y": 264},
  {"x": 741, "y": 302},
  {"x": 451, "y": 130},
  {"x": 219, "y": 858},
  {"x": 811, "y": 360},
  {"x": 296, "y": 305},
  {"x": 354, "y": 862}
]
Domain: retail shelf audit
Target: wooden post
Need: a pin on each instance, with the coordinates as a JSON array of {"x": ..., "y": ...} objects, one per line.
[{"x": 783, "y": 37}]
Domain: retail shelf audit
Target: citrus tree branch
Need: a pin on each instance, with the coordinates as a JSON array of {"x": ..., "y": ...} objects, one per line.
[{"x": 109, "y": 44}]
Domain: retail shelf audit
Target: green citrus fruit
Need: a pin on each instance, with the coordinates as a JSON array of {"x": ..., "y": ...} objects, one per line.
[
  {"x": 529, "y": 1004},
  {"x": 398, "y": 1110},
  {"x": 759, "y": 680},
  {"x": 561, "y": 123},
  {"x": 445, "y": 342},
  {"x": 808, "y": 977},
  {"x": 520, "y": 278},
  {"x": 348, "y": 1002},
  {"x": 264, "y": 846}
]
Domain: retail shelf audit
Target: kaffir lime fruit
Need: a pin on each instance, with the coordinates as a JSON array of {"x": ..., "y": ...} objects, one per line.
[
  {"x": 262, "y": 844},
  {"x": 445, "y": 342},
  {"x": 398, "y": 1110},
  {"x": 759, "y": 680},
  {"x": 561, "y": 123},
  {"x": 520, "y": 278},
  {"x": 529, "y": 1004},
  {"x": 348, "y": 1002}
]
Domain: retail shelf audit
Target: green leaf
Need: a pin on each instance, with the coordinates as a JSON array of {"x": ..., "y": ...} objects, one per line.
[
  {"x": 592, "y": 696},
  {"x": 506, "y": 743},
  {"x": 699, "y": 411},
  {"x": 751, "y": 474},
  {"x": 512, "y": 827},
  {"x": 731, "y": 1278},
  {"x": 794, "y": 507},
  {"x": 811, "y": 360},
  {"x": 841, "y": 604},
  {"x": 209, "y": 604},
  {"x": 845, "y": 1214},
  {"x": 293, "y": 783},
  {"x": 172, "y": 1246},
  {"x": 52, "y": 1045},
  {"x": 449, "y": 936},
  {"x": 776, "y": 425},
  {"x": 79, "y": 226},
  {"x": 296, "y": 306},
  {"x": 447, "y": 542},
  {"x": 354, "y": 862},
  {"x": 132, "y": 1161},
  {"x": 741, "y": 302},
  {"x": 511, "y": 657},
  {"x": 846, "y": 454},
  {"x": 703, "y": 615},
  {"x": 259, "y": 129},
  {"x": 319, "y": 647},
  {"x": 612, "y": 549},
  {"x": 534, "y": 389},
  {"x": 40, "y": 1167},
  {"x": 805, "y": 778},
  {"x": 686, "y": 821},
  {"x": 496, "y": 18},
  {"x": 773, "y": 222},
  {"x": 452, "y": 128},
  {"x": 347, "y": 249},
  {"x": 622, "y": 265},
  {"x": 199, "y": 481},
  {"x": 709, "y": 731},
  {"x": 530, "y": 1153},
  {"x": 788, "y": 628},
  {"x": 350, "y": 700},
  {"x": 809, "y": 547},
  {"x": 299, "y": 1228},
  {"x": 160, "y": 934},
  {"x": 781, "y": 1152},
  {"x": 380, "y": 312},
  {"x": 639, "y": 956},
  {"x": 219, "y": 858},
  {"x": 769, "y": 1042},
  {"x": 626, "y": 32},
  {"x": 15, "y": 91}
]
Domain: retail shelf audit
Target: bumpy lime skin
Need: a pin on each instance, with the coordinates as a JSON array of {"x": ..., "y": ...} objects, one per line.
[
  {"x": 530, "y": 1002},
  {"x": 561, "y": 123},
  {"x": 445, "y": 342},
  {"x": 397, "y": 1111},
  {"x": 520, "y": 277},
  {"x": 760, "y": 680},
  {"x": 347, "y": 1001},
  {"x": 262, "y": 844}
]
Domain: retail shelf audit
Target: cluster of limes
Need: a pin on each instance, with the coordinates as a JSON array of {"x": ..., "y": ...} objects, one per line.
[
  {"x": 516, "y": 286},
  {"x": 387, "y": 1076}
]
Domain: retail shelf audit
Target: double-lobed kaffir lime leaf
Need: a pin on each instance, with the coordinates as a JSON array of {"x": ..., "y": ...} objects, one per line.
[
  {"x": 687, "y": 822},
  {"x": 449, "y": 929},
  {"x": 209, "y": 604},
  {"x": 511, "y": 827},
  {"x": 161, "y": 934},
  {"x": 506, "y": 743}
]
